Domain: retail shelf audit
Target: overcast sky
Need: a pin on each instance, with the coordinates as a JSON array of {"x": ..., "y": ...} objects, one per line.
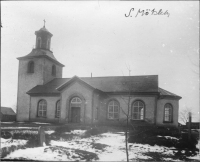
[{"x": 96, "y": 37}]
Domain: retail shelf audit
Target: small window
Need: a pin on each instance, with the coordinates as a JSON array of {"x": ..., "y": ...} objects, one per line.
[
  {"x": 138, "y": 110},
  {"x": 31, "y": 67},
  {"x": 53, "y": 70},
  {"x": 58, "y": 109},
  {"x": 113, "y": 110},
  {"x": 39, "y": 42},
  {"x": 42, "y": 108},
  {"x": 168, "y": 113}
]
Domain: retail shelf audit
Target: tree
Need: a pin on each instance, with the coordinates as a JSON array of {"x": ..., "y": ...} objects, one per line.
[
  {"x": 184, "y": 115},
  {"x": 128, "y": 86}
]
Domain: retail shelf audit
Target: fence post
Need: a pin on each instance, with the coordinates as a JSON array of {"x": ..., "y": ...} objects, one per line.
[
  {"x": 41, "y": 136},
  {"x": 189, "y": 126}
]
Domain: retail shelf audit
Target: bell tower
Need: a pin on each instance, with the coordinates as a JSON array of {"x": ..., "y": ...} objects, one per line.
[
  {"x": 37, "y": 68},
  {"x": 43, "y": 38}
]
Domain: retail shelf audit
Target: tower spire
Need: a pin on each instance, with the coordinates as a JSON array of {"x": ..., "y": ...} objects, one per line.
[{"x": 44, "y": 22}]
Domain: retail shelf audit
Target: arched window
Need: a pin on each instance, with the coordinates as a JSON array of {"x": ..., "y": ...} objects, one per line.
[
  {"x": 39, "y": 42},
  {"x": 53, "y": 72},
  {"x": 42, "y": 108},
  {"x": 30, "y": 67},
  {"x": 113, "y": 110},
  {"x": 58, "y": 109},
  {"x": 76, "y": 102},
  {"x": 48, "y": 44},
  {"x": 138, "y": 110},
  {"x": 168, "y": 113}
]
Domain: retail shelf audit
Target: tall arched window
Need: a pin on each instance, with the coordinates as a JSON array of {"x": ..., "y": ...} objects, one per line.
[
  {"x": 53, "y": 72},
  {"x": 48, "y": 44},
  {"x": 57, "y": 109},
  {"x": 138, "y": 110},
  {"x": 42, "y": 108},
  {"x": 30, "y": 67},
  {"x": 168, "y": 113},
  {"x": 113, "y": 110},
  {"x": 39, "y": 42}
]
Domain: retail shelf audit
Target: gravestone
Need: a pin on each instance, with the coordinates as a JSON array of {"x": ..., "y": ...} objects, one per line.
[{"x": 41, "y": 136}]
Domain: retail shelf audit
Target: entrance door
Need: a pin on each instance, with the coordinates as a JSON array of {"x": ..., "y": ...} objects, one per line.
[{"x": 75, "y": 114}]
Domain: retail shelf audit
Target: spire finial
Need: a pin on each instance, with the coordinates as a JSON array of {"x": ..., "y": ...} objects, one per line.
[{"x": 44, "y": 22}]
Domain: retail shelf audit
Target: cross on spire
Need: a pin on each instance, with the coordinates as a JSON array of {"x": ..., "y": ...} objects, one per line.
[{"x": 44, "y": 22}]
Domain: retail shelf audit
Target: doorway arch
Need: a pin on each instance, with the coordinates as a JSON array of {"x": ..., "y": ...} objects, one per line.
[{"x": 75, "y": 107}]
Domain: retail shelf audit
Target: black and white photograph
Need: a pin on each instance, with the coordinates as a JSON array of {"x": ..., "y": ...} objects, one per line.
[{"x": 100, "y": 81}]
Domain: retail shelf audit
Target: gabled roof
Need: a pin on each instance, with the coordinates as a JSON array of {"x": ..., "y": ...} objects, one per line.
[
  {"x": 147, "y": 83},
  {"x": 7, "y": 111},
  {"x": 164, "y": 93},
  {"x": 75, "y": 78},
  {"x": 48, "y": 88},
  {"x": 41, "y": 53}
]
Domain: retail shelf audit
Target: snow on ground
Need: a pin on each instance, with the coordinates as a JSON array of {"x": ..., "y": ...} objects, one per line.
[
  {"x": 115, "y": 151},
  {"x": 197, "y": 157},
  {"x": 10, "y": 142},
  {"x": 49, "y": 131},
  {"x": 37, "y": 153},
  {"x": 7, "y": 122},
  {"x": 169, "y": 137},
  {"x": 78, "y": 132},
  {"x": 19, "y": 128},
  {"x": 39, "y": 123},
  {"x": 107, "y": 146}
]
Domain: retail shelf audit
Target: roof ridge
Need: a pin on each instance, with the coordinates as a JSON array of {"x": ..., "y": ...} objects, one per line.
[{"x": 119, "y": 76}]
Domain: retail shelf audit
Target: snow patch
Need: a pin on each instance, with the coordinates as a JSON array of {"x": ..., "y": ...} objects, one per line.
[
  {"x": 39, "y": 123},
  {"x": 49, "y": 131},
  {"x": 18, "y": 128},
  {"x": 78, "y": 132},
  {"x": 7, "y": 122},
  {"x": 10, "y": 142}
]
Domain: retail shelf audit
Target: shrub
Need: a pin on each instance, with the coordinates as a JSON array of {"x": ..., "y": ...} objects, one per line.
[
  {"x": 6, "y": 134},
  {"x": 62, "y": 129},
  {"x": 151, "y": 135},
  {"x": 95, "y": 131}
]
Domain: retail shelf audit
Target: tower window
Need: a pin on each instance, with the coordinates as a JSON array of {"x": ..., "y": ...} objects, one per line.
[
  {"x": 53, "y": 70},
  {"x": 39, "y": 42},
  {"x": 30, "y": 67},
  {"x": 48, "y": 44}
]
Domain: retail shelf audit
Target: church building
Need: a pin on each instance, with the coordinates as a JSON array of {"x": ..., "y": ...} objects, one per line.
[{"x": 44, "y": 96}]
